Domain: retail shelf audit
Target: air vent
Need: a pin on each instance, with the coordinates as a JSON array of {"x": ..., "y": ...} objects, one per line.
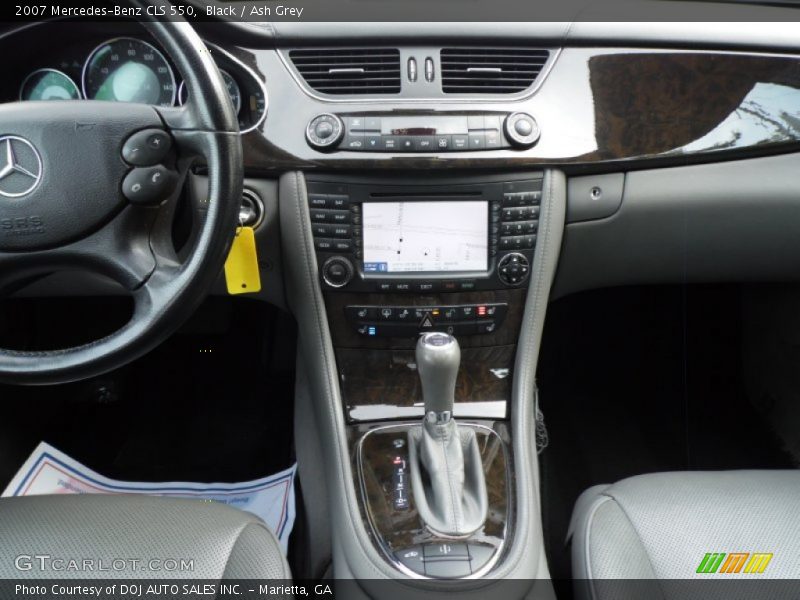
[
  {"x": 350, "y": 71},
  {"x": 490, "y": 70}
]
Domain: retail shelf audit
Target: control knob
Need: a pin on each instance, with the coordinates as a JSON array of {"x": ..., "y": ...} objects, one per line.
[
  {"x": 513, "y": 268},
  {"x": 325, "y": 131},
  {"x": 522, "y": 130},
  {"x": 337, "y": 271}
]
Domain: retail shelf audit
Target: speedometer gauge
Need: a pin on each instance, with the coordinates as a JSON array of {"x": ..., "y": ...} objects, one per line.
[
  {"x": 231, "y": 85},
  {"x": 129, "y": 70},
  {"x": 48, "y": 84}
]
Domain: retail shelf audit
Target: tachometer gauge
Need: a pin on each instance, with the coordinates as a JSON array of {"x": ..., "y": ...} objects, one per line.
[
  {"x": 129, "y": 70},
  {"x": 230, "y": 83},
  {"x": 48, "y": 84}
]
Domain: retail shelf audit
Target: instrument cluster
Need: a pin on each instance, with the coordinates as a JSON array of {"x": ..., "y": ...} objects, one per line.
[{"x": 130, "y": 69}]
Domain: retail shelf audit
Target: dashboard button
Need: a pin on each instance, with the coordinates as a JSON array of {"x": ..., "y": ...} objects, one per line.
[
  {"x": 492, "y": 123},
  {"x": 361, "y": 313},
  {"x": 339, "y": 201},
  {"x": 390, "y": 142},
  {"x": 354, "y": 123},
  {"x": 354, "y": 141},
  {"x": 479, "y": 555},
  {"x": 318, "y": 201},
  {"x": 406, "y": 143},
  {"x": 342, "y": 245},
  {"x": 450, "y": 313},
  {"x": 372, "y": 123},
  {"x": 321, "y": 216},
  {"x": 493, "y": 140},
  {"x": 442, "y": 142},
  {"x": 340, "y": 231},
  {"x": 386, "y": 313},
  {"x": 475, "y": 123},
  {"x": 340, "y": 216},
  {"x": 423, "y": 143},
  {"x": 373, "y": 142},
  {"x": 532, "y": 212},
  {"x": 466, "y": 312},
  {"x": 486, "y": 327},
  {"x": 477, "y": 141},
  {"x": 323, "y": 245},
  {"x": 412, "y": 558},
  {"x": 445, "y": 551},
  {"x": 460, "y": 142},
  {"x": 403, "y": 315}
]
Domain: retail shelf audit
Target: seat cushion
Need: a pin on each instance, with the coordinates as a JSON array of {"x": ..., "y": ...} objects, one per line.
[
  {"x": 662, "y": 526},
  {"x": 221, "y": 542}
]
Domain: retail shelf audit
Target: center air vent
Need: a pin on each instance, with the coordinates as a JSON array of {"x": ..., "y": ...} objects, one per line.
[
  {"x": 350, "y": 71},
  {"x": 490, "y": 70}
]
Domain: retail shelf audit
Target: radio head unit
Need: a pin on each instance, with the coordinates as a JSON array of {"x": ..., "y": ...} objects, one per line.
[{"x": 424, "y": 238}]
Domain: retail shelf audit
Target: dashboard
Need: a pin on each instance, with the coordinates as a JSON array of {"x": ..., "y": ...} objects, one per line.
[
  {"x": 368, "y": 112},
  {"x": 128, "y": 67}
]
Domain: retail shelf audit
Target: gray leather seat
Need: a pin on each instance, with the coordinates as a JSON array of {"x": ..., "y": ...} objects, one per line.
[
  {"x": 660, "y": 527},
  {"x": 221, "y": 542}
]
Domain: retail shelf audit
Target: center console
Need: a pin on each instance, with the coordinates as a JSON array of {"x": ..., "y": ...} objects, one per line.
[
  {"x": 429, "y": 452},
  {"x": 437, "y": 256}
]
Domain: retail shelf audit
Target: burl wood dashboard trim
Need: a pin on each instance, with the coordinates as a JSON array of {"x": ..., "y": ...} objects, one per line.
[
  {"x": 609, "y": 107},
  {"x": 378, "y": 376}
]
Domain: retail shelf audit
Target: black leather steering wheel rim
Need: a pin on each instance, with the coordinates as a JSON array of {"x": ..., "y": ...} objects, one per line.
[{"x": 165, "y": 290}]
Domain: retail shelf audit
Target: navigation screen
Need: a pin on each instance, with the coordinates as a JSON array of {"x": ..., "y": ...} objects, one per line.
[{"x": 425, "y": 236}]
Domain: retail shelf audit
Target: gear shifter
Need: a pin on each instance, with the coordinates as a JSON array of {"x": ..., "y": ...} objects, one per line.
[
  {"x": 438, "y": 359},
  {"x": 446, "y": 470}
]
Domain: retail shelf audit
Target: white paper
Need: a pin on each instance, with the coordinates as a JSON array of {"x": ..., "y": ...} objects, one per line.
[{"x": 50, "y": 471}]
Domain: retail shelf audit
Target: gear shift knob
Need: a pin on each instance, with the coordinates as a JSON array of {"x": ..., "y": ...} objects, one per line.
[{"x": 438, "y": 359}]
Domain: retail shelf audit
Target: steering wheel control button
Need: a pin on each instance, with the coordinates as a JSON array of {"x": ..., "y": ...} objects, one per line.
[
  {"x": 522, "y": 130},
  {"x": 337, "y": 271},
  {"x": 325, "y": 131},
  {"x": 150, "y": 185},
  {"x": 146, "y": 148},
  {"x": 513, "y": 269}
]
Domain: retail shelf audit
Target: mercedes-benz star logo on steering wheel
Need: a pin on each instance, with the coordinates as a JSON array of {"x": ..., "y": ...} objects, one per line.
[{"x": 20, "y": 166}]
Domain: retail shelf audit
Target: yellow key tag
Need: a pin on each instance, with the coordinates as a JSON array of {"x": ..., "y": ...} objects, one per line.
[{"x": 241, "y": 267}]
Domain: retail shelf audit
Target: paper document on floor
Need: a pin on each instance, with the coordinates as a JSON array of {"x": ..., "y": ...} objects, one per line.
[{"x": 50, "y": 471}]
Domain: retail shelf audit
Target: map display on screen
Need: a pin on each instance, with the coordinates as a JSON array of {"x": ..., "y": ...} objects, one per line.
[{"x": 425, "y": 236}]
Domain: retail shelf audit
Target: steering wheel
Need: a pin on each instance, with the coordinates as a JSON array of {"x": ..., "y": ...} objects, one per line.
[{"x": 89, "y": 185}]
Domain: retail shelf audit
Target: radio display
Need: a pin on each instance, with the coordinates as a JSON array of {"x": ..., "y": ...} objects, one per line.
[{"x": 425, "y": 237}]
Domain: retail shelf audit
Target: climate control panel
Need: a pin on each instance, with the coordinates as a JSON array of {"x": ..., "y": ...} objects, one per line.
[
  {"x": 422, "y": 133},
  {"x": 410, "y": 321}
]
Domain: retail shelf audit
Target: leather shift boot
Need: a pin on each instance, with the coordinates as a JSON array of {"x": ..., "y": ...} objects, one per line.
[{"x": 447, "y": 478}]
